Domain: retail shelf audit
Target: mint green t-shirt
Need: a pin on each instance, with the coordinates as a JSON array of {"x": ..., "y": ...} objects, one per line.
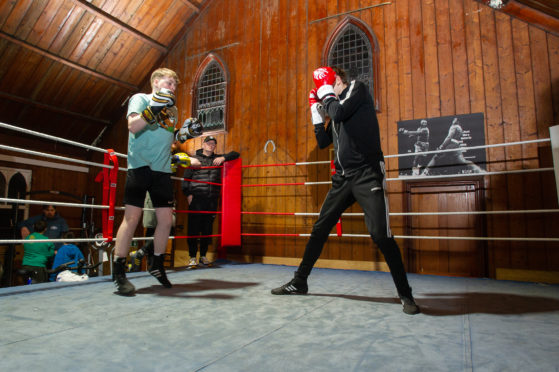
[
  {"x": 37, "y": 254},
  {"x": 152, "y": 145}
]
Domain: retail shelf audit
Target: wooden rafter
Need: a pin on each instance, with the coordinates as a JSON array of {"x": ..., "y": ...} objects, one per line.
[
  {"x": 69, "y": 63},
  {"x": 44, "y": 106},
  {"x": 191, "y": 5},
  {"x": 540, "y": 16},
  {"x": 121, "y": 25}
]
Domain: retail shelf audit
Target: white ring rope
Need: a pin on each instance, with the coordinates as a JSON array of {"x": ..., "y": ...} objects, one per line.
[
  {"x": 350, "y": 214},
  {"x": 448, "y": 237},
  {"x": 57, "y": 157},
  {"x": 464, "y": 149},
  {"x": 460, "y": 213},
  {"x": 440, "y": 151},
  {"x": 48, "y": 202},
  {"x": 60, "y": 204},
  {"x": 76, "y": 240},
  {"x": 59, "y": 139},
  {"x": 516, "y": 171}
]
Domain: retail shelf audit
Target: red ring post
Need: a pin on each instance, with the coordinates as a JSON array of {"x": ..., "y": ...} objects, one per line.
[{"x": 230, "y": 207}]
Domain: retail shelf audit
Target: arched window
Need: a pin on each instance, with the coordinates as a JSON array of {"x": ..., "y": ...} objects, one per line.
[
  {"x": 354, "y": 48},
  {"x": 2, "y": 185},
  {"x": 210, "y": 103},
  {"x": 17, "y": 186}
]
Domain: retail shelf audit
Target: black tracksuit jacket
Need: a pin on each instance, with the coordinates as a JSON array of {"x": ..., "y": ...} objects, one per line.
[{"x": 353, "y": 130}]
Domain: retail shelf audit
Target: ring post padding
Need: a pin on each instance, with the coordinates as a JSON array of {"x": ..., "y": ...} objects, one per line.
[
  {"x": 231, "y": 206},
  {"x": 554, "y": 135}
]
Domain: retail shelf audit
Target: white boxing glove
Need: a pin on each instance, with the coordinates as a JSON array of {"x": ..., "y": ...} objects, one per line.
[
  {"x": 191, "y": 128},
  {"x": 317, "y": 110},
  {"x": 317, "y": 114}
]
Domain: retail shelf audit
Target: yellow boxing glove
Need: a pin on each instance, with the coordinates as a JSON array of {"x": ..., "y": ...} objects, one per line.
[{"x": 180, "y": 159}]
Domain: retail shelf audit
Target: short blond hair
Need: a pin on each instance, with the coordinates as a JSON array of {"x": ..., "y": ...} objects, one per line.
[{"x": 163, "y": 72}]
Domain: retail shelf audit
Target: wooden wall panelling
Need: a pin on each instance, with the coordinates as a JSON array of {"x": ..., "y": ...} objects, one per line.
[
  {"x": 350, "y": 248},
  {"x": 240, "y": 65},
  {"x": 405, "y": 98},
  {"x": 553, "y": 44},
  {"x": 395, "y": 188},
  {"x": 543, "y": 117},
  {"x": 444, "y": 57},
  {"x": 317, "y": 35},
  {"x": 276, "y": 195},
  {"x": 363, "y": 248},
  {"x": 405, "y": 90},
  {"x": 523, "y": 75},
  {"x": 510, "y": 117},
  {"x": 417, "y": 60},
  {"x": 332, "y": 246},
  {"x": 474, "y": 56},
  {"x": 552, "y": 252},
  {"x": 495, "y": 197},
  {"x": 430, "y": 47},
  {"x": 303, "y": 134},
  {"x": 266, "y": 95},
  {"x": 290, "y": 123},
  {"x": 459, "y": 57},
  {"x": 255, "y": 145}
]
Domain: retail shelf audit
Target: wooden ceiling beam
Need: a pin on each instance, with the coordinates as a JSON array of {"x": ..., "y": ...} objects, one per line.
[
  {"x": 177, "y": 38},
  {"x": 44, "y": 106},
  {"x": 189, "y": 3},
  {"x": 121, "y": 25},
  {"x": 69, "y": 63},
  {"x": 529, "y": 13}
]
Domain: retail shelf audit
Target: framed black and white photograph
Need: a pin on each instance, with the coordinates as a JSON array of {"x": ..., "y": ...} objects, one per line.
[{"x": 442, "y": 133}]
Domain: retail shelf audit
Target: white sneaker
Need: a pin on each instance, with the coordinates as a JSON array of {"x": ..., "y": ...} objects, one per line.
[
  {"x": 192, "y": 262},
  {"x": 204, "y": 261}
]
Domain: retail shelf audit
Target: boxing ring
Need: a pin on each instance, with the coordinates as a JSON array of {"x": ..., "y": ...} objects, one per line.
[
  {"x": 224, "y": 319},
  {"x": 231, "y": 214}
]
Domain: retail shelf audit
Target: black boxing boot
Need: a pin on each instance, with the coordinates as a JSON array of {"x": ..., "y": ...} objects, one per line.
[
  {"x": 123, "y": 286},
  {"x": 296, "y": 286},
  {"x": 157, "y": 270}
]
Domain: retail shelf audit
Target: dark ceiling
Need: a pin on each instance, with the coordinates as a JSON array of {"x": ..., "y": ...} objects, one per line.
[{"x": 68, "y": 66}]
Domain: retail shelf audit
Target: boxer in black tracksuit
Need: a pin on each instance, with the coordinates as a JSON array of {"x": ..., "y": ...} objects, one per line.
[{"x": 359, "y": 177}]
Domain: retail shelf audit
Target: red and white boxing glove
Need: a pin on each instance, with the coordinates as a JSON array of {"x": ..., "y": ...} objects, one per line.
[
  {"x": 317, "y": 111},
  {"x": 324, "y": 79}
]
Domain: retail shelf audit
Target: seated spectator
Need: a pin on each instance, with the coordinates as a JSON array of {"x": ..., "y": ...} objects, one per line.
[
  {"x": 56, "y": 225},
  {"x": 68, "y": 252},
  {"x": 36, "y": 255}
]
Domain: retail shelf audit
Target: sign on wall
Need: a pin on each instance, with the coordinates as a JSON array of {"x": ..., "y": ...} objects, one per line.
[{"x": 442, "y": 133}]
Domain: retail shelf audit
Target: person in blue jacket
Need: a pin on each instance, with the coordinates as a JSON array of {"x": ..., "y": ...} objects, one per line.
[
  {"x": 56, "y": 225},
  {"x": 68, "y": 252}
]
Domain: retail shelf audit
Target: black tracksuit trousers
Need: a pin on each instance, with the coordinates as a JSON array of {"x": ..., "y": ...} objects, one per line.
[
  {"x": 367, "y": 187},
  {"x": 200, "y": 224}
]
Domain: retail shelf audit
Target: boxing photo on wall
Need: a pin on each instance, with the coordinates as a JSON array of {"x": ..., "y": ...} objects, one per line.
[{"x": 442, "y": 133}]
